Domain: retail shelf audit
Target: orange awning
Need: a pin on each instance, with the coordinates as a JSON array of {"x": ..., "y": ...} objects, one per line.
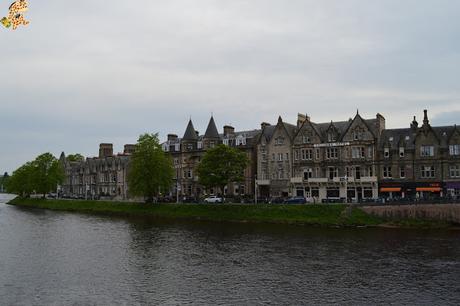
[
  {"x": 430, "y": 189},
  {"x": 390, "y": 189}
]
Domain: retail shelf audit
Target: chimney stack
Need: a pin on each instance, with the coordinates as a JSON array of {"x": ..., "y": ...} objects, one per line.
[
  {"x": 263, "y": 125},
  {"x": 172, "y": 137},
  {"x": 228, "y": 130},
  {"x": 129, "y": 149},
  {"x": 105, "y": 150}
]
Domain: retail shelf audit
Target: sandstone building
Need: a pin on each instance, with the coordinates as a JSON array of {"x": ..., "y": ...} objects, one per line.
[{"x": 351, "y": 160}]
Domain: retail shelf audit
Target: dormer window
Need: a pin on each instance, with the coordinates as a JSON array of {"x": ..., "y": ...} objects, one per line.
[
  {"x": 401, "y": 152},
  {"x": 241, "y": 141},
  {"x": 306, "y": 139},
  {"x": 330, "y": 137},
  {"x": 200, "y": 145},
  {"x": 390, "y": 139},
  {"x": 407, "y": 138},
  {"x": 386, "y": 152}
]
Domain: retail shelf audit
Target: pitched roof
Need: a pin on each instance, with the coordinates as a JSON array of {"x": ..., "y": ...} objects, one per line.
[
  {"x": 211, "y": 130},
  {"x": 190, "y": 133}
]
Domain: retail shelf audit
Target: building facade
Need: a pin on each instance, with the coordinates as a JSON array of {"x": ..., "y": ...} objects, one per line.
[
  {"x": 102, "y": 177},
  {"x": 187, "y": 152},
  {"x": 420, "y": 161},
  {"x": 351, "y": 160}
]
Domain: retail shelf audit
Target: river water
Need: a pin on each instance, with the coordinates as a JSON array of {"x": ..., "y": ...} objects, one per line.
[{"x": 58, "y": 258}]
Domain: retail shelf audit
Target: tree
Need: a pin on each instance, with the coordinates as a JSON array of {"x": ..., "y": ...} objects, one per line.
[
  {"x": 21, "y": 181},
  {"x": 41, "y": 175},
  {"x": 75, "y": 157},
  {"x": 48, "y": 172},
  {"x": 150, "y": 170},
  {"x": 222, "y": 165}
]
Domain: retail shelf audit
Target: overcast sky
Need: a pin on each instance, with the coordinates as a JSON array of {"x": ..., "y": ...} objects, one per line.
[{"x": 85, "y": 72}]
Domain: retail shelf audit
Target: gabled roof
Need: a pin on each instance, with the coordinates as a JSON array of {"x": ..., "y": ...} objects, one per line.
[
  {"x": 190, "y": 133},
  {"x": 211, "y": 130}
]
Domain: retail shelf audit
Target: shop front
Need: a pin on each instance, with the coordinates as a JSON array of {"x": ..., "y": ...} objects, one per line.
[
  {"x": 453, "y": 189},
  {"x": 411, "y": 190}
]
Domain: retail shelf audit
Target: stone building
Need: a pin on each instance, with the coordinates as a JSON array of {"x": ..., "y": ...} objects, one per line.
[
  {"x": 420, "y": 161},
  {"x": 187, "y": 152},
  {"x": 335, "y": 160},
  {"x": 99, "y": 177}
]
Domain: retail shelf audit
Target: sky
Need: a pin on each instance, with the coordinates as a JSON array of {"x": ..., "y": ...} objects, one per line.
[{"x": 85, "y": 72}]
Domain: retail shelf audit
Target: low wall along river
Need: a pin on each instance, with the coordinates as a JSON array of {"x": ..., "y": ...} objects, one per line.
[{"x": 440, "y": 212}]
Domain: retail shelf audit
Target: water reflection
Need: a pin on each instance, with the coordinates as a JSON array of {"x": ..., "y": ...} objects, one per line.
[{"x": 51, "y": 257}]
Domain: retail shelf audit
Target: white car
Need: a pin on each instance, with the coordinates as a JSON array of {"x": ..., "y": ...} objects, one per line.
[{"x": 214, "y": 199}]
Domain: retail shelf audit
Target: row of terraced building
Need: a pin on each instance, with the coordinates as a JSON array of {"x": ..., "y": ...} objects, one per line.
[{"x": 354, "y": 159}]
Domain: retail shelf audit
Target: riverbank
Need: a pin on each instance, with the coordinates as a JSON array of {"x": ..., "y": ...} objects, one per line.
[{"x": 317, "y": 215}]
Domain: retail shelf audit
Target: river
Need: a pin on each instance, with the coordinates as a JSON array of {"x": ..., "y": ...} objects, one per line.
[{"x": 59, "y": 258}]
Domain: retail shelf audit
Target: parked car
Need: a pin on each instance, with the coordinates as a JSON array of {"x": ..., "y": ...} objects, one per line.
[
  {"x": 276, "y": 201},
  {"x": 214, "y": 199},
  {"x": 295, "y": 200}
]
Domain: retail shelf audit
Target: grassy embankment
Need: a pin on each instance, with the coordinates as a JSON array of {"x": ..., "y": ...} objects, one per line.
[{"x": 321, "y": 215}]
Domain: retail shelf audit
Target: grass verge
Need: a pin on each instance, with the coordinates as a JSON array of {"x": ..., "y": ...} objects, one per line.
[{"x": 319, "y": 215}]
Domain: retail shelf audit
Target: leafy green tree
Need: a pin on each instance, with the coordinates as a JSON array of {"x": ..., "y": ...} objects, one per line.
[
  {"x": 21, "y": 182},
  {"x": 48, "y": 172},
  {"x": 151, "y": 170},
  {"x": 222, "y": 165},
  {"x": 75, "y": 157},
  {"x": 41, "y": 176}
]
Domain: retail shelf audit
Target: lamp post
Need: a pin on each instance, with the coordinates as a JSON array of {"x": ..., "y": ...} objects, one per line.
[{"x": 255, "y": 189}]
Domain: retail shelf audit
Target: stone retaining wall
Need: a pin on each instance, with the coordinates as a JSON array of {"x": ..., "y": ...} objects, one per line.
[{"x": 441, "y": 212}]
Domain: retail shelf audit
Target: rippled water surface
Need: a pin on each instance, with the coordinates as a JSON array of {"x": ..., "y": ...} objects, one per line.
[{"x": 72, "y": 259}]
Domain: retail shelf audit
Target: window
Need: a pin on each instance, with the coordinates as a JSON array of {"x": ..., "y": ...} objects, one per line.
[
  {"x": 317, "y": 153},
  {"x": 273, "y": 156},
  {"x": 241, "y": 141},
  {"x": 347, "y": 171},
  {"x": 401, "y": 152},
  {"x": 454, "y": 150},
  {"x": 370, "y": 171},
  {"x": 189, "y": 147},
  {"x": 358, "y": 173},
  {"x": 330, "y": 137},
  {"x": 332, "y": 153},
  {"x": 188, "y": 173},
  {"x": 387, "y": 172},
  {"x": 225, "y": 141},
  {"x": 454, "y": 171},
  {"x": 370, "y": 151},
  {"x": 279, "y": 141},
  {"x": 287, "y": 156},
  {"x": 306, "y": 139},
  {"x": 390, "y": 139},
  {"x": 308, "y": 173},
  {"x": 333, "y": 172},
  {"x": 427, "y": 151},
  {"x": 296, "y": 154},
  {"x": 307, "y": 154},
  {"x": 427, "y": 171},
  {"x": 402, "y": 172},
  {"x": 357, "y": 152},
  {"x": 280, "y": 156},
  {"x": 177, "y": 147},
  {"x": 386, "y": 152}
]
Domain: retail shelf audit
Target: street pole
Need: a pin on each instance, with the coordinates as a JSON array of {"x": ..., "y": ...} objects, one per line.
[{"x": 255, "y": 189}]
